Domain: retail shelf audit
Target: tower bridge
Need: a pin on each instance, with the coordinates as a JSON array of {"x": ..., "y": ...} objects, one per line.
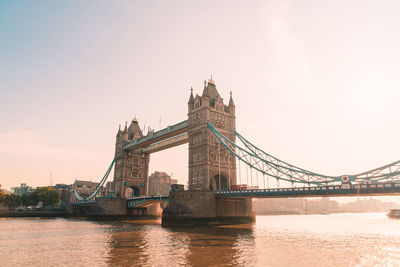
[{"x": 217, "y": 192}]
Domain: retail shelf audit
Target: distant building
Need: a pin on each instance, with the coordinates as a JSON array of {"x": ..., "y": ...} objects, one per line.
[
  {"x": 109, "y": 190},
  {"x": 5, "y": 191},
  {"x": 61, "y": 187},
  {"x": 160, "y": 183},
  {"x": 85, "y": 188},
  {"x": 65, "y": 192},
  {"x": 21, "y": 190}
]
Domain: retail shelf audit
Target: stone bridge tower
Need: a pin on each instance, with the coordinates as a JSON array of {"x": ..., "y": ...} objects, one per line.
[
  {"x": 131, "y": 167},
  {"x": 211, "y": 165}
]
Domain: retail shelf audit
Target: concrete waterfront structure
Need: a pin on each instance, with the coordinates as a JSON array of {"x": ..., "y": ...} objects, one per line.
[
  {"x": 22, "y": 189},
  {"x": 84, "y": 188},
  {"x": 195, "y": 207},
  {"x": 160, "y": 183}
]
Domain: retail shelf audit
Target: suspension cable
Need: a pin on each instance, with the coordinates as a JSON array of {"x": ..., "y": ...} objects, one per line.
[
  {"x": 94, "y": 193},
  {"x": 273, "y": 167}
]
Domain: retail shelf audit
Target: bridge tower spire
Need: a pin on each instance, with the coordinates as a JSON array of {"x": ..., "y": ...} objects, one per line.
[
  {"x": 191, "y": 100},
  {"x": 211, "y": 167}
]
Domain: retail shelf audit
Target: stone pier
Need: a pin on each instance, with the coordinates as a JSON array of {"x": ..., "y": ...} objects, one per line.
[{"x": 201, "y": 207}]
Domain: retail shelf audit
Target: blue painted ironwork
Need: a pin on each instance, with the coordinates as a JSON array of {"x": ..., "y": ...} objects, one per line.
[
  {"x": 83, "y": 204},
  {"x": 181, "y": 126},
  {"x": 315, "y": 191},
  {"x": 94, "y": 193},
  {"x": 273, "y": 167},
  {"x": 146, "y": 201}
]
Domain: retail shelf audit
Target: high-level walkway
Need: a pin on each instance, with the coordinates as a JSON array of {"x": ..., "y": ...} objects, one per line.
[{"x": 166, "y": 138}]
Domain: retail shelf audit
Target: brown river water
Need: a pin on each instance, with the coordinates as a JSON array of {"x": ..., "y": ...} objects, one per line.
[{"x": 364, "y": 239}]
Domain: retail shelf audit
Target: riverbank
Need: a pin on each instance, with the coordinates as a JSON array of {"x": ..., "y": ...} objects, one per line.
[
  {"x": 62, "y": 214},
  {"x": 293, "y": 212},
  {"x": 32, "y": 213}
]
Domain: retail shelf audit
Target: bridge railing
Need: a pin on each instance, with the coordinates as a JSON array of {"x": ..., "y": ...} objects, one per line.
[{"x": 345, "y": 189}]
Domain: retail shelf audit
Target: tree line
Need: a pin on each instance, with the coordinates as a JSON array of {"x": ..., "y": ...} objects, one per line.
[{"x": 47, "y": 195}]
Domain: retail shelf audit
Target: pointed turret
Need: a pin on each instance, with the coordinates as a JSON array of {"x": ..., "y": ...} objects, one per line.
[
  {"x": 119, "y": 141},
  {"x": 119, "y": 131},
  {"x": 191, "y": 100},
  {"x": 231, "y": 104},
  {"x": 205, "y": 90},
  {"x": 134, "y": 131},
  {"x": 205, "y": 97},
  {"x": 210, "y": 92},
  {"x": 125, "y": 132}
]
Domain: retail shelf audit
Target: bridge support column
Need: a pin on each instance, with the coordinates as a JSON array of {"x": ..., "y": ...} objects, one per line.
[{"x": 201, "y": 207}]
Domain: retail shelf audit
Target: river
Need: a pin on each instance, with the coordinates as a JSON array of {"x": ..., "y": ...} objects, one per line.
[{"x": 348, "y": 239}]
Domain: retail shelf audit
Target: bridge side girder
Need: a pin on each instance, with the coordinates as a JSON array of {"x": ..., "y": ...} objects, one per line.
[
  {"x": 317, "y": 191},
  {"x": 167, "y": 143},
  {"x": 164, "y": 134}
]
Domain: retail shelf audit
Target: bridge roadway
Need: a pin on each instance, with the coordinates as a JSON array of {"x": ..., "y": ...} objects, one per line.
[
  {"x": 166, "y": 138},
  {"x": 83, "y": 204},
  {"x": 379, "y": 189},
  {"x": 145, "y": 201}
]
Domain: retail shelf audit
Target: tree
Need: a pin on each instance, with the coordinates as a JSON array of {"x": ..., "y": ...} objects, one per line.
[
  {"x": 12, "y": 201},
  {"x": 48, "y": 195},
  {"x": 29, "y": 199},
  {"x": 1, "y": 195}
]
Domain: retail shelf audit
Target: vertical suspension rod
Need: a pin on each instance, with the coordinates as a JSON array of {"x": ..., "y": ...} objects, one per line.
[
  {"x": 264, "y": 180},
  {"x": 251, "y": 175},
  {"x": 219, "y": 168},
  {"x": 240, "y": 173},
  {"x": 247, "y": 174}
]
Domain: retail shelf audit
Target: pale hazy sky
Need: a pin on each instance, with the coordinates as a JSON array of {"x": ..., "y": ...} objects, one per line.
[{"x": 315, "y": 83}]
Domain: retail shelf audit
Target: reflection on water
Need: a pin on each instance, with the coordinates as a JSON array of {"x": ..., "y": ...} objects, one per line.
[
  {"x": 153, "y": 245},
  {"x": 295, "y": 240}
]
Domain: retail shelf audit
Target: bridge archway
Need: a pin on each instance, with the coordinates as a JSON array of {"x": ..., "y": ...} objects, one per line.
[
  {"x": 132, "y": 191},
  {"x": 219, "y": 182}
]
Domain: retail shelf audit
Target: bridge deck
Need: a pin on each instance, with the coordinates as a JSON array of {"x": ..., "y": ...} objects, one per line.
[
  {"x": 83, "y": 204},
  {"x": 316, "y": 191},
  {"x": 146, "y": 201},
  {"x": 381, "y": 189},
  {"x": 167, "y": 133}
]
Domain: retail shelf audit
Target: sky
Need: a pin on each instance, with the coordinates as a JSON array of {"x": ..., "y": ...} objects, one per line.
[{"x": 315, "y": 83}]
